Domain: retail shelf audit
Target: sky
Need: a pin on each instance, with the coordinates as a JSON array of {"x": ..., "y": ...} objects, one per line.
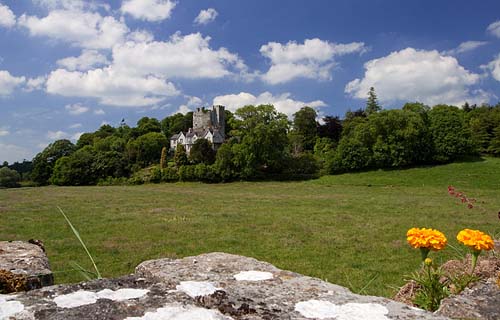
[{"x": 69, "y": 66}]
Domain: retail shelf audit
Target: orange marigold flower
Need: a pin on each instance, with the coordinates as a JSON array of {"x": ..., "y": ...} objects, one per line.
[
  {"x": 475, "y": 239},
  {"x": 426, "y": 238}
]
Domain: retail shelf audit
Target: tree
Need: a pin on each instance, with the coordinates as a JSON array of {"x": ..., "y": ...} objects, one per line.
[
  {"x": 305, "y": 125},
  {"x": 331, "y": 128},
  {"x": 372, "y": 105},
  {"x": 76, "y": 169},
  {"x": 450, "y": 136},
  {"x": 146, "y": 149},
  {"x": 147, "y": 125},
  {"x": 180, "y": 156},
  {"x": 202, "y": 152},
  {"x": 263, "y": 143},
  {"x": 9, "y": 178},
  {"x": 43, "y": 163},
  {"x": 163, "y": 159}
]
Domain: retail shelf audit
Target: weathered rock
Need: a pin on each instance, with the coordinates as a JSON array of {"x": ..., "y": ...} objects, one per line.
[
  {"x": 215, "y": 286},
  {"x": 28, "y": 260},
  {"x": 481, "y": 301}
]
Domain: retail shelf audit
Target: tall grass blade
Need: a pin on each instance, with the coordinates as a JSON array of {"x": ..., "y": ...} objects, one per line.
[{"x": 81, "y": 242}]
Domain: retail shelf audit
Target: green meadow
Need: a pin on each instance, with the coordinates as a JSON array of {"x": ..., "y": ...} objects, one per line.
[{"x": 348, "y": 229}]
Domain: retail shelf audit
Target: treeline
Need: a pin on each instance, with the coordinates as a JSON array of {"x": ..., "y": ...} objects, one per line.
[{"x": 263, "y": 144}]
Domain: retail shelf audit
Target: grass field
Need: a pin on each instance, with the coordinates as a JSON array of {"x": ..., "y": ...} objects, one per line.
[{"x": 349, "y": 229}]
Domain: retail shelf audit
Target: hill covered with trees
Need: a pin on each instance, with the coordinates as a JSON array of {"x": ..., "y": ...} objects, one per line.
[{"x": 262, "y": 143}]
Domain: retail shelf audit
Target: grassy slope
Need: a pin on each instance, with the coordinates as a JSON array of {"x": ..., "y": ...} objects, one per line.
[{"x": 346, "y": 229}]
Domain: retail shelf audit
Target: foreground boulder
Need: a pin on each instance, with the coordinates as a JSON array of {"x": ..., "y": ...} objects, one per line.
[
  {"x": 23, "y": 266},
  {"x": 209, "y": 286}
]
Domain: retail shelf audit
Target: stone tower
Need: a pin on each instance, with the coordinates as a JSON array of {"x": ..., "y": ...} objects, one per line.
[{"x": 209, "y": 119}]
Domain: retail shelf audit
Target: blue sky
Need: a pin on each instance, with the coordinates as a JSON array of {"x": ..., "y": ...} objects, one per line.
[{"x": 68, "y": 66}]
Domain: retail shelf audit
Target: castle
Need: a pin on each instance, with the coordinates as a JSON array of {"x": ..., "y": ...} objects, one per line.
[{"x": 207, "y": 124}]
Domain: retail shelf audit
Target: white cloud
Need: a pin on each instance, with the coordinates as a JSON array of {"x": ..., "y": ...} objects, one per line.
[
  {"x": 110, "y": 87},
  {"x": 35, "y": 83},
  {"x": 283, "y": 103},
  {"x": 464, "y": 47},
  {"x": 87, "y": 60},
  {"x": 140, "y": 36},
  {"x": 150, "y": 10},
  {"x": 99, "y": 112},
  {"x": 57, "y": 135},
  {"x": 193, "y": 101},
  {"x": 206, "y": 16},
  {"x": 313, "y": 59},
  {"x": 12, "y": 153},
  {"x": 187, "y": 56},
  {"x": 76, "y": 109},
  {"x": 7, "y": 17},
  {"x": 4, "y": 132},
  {"x": 494, "y": 68},
  {"x": 183, "y": 109},
  {"x": 76, "y": 136},
  {"x": 80, "y": 28},
  {"x": 75, "y": 126},
  {"x": 418, "y": 75},
  {"x": 494, "y": 29},
  {"x": 8, "y": 82}
]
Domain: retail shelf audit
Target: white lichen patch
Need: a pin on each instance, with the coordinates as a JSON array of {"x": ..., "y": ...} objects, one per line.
[
  {"x": 180, "y": 312},
  {"x": 196, "y": 288},
  {"x": 75, "y": 299},
  {"x": 121, "y": 294},
  {"x": 253, "y": 275},
  {"x": 350, "y": 311},
  {"x": 317, "y": 309},
  {"x": 9, "y": 308},
  {"x": 82, "y": 297}
]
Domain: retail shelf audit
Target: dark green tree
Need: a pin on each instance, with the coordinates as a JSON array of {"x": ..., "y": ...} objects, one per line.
[
  {"x": 76, "y": 169},
  {"x": 331, "y": 128},
  {"x": 202, "y": 152},
  {"x": 306, "y": 126},
  {"x": 43, "y": 163},
  {"x": 9, "y": 178},
  {"x": 146, "y": 149},
  {"x": 147, "y": 125},
  {"x": 372, "y": 105},
  {"x": 180, "y": 156}
]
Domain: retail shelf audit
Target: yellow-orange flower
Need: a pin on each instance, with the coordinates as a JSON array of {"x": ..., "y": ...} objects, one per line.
[
  {"x": 475, "y": 239},
  {"x": 426, "y": 238}
]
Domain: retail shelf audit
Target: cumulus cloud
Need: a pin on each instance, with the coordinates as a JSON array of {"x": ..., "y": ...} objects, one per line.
[
  {"x": 187, "y": 56},
  {"x": 87, "y": 60},
  {"x": 110, "y": 87},
  {"x": 80, "y": 28},
  {"x": 418, "y": 75},
  {"x": 7, "y": 17},
  {"x": 283, "y": 103},
  {"x": 8, "y": 82},
  {"x": 57, "y": 135},
  {"x": 150, "y": 10},
  {"x": 183, "y": 109},
  {"x": 140, "y": 36},
  {"x": 493, "y": 67},
  {"x": 35, "y": 83},
  {"x": 206, "y": 16},
  {"x": 494, "y": 29},
  {"x": 99, "y": 112},
  {"x": 76, "y": 109},
  {"x": 4, "y": 132},
  {"x": 193, "y": 101},
  {"x": 313, "y": 59},
  {"x": 464, "y": 47}
]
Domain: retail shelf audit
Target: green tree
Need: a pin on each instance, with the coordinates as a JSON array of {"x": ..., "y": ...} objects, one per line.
[
  {"x": 76, "y": 169},
  {"x": 180, "y": 156},
  {"x": 263, "y": 142},
  {"x": 305, "y": 125},
  {"x": 331, "y": 128},
  {"x": 202, "y": 152},
  {"x": 147, "y": 125},
  {"x": 146, "y": 149},
  {"x": 43, "y": 163},
  {"x": 450, "y": 137},
  {"x": 9, "y": 178},
  {"x": 224, "y": 165},
  {"x": 372, "y": 105}
]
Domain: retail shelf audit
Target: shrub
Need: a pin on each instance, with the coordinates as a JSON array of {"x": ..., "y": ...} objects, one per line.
[{"x": 9, "y": 178}]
